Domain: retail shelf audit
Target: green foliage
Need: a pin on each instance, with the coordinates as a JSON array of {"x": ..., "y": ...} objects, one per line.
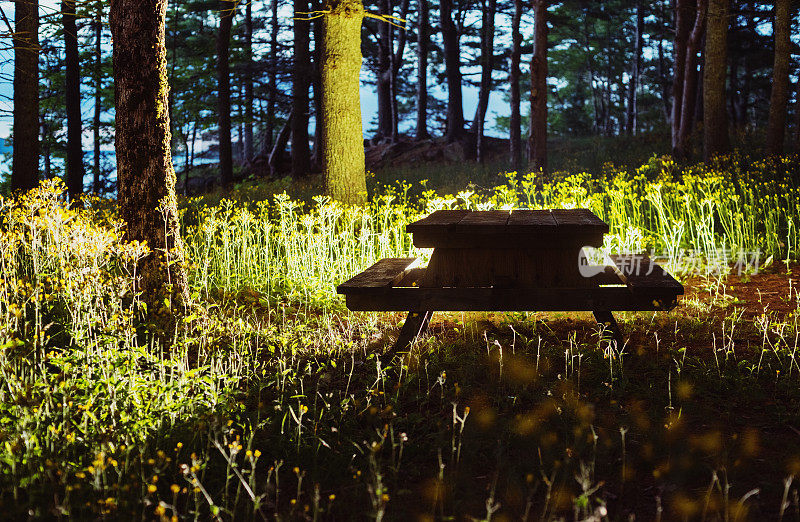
[{"x": 272, "y": 398}]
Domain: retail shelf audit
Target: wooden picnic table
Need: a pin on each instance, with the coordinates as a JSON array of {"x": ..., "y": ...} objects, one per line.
[{"x": 501, "y": 260}]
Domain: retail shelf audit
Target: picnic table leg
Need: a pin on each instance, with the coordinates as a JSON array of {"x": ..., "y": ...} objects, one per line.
[
  {"x": 606, "y": 319},
  {"x": 415, "y": 325}
]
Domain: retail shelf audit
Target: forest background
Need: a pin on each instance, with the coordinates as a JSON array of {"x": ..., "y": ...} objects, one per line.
[{"x": 611, "y": 70}]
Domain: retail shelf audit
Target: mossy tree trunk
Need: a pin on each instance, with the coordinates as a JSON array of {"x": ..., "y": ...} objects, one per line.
[
  {"x": 715, "y": 116},
  {"x": 145, "y": 175},
  {"x": 342, "y": 136},
  {"x": 25, "y": 156}
]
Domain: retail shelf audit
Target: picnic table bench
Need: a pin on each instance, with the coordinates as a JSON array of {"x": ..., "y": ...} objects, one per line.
[{"x": 501, "y": 260}]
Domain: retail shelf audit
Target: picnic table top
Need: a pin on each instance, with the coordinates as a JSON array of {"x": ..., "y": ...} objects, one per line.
[{"x": 444, "y": 227}]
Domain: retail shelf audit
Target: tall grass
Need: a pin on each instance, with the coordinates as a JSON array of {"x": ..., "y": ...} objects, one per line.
[
  {"x": 270, "y": 400},
  {"x": 695, "y": 217}
]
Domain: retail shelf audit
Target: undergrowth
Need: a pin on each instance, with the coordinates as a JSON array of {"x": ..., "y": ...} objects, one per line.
[{"x": 273, "y": 401}]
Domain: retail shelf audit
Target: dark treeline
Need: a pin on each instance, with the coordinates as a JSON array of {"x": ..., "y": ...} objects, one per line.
[{"x": 244, "y": 77}]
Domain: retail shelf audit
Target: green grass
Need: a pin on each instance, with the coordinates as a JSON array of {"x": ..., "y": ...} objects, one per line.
[{"x": 273, "y": 402}]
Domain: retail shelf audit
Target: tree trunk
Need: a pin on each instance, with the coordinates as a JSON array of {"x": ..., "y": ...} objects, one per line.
[
  {"x": 515, "y": 121},
  {"x": 343, "y": 142},
  {"x": 422, "y": 70},
  {"x": 689, "y": 95},
  {"x": 663, "y": 81},
  {"x": 316, "y": 86},
  {"x": 715, "y": 118},
  {"x": 796, "y": 147},
  {"x": 25, "y": 156},
  {"x": 699, "y": 107},
  {"x": 98, "y": 94},
  {"x": 779, "y": 99},
  {"x": 240, "y": 131},
  {"x": 280, "y": 145},
  {"x": 47, "y": 139},
  {"x": 384, "y": 83},
  {"x": 452, "y": 64},
  {"x": 538, "y": 136},
  {"x": 185, "y": 136},
  {"x": 684, "y": 14},
  {"x": 226, "y": 8},
  {"x": 191, "y": 153},
  {"x": 636, "y": 66},
  {"x": 301, "y": 154},
  {"x": 733, "y": 89},
  {"x": 249, "y": 150},
  {"x": 397, "y": 63},
  {"x": 72, "y": 73},
  {"x": 145, "y": 175},
  {"x": 488, "y": 8},
  {"x": 272, "y": 93}
]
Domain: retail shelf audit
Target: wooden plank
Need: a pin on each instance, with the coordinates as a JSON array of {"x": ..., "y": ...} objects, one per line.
[
  {"x": 506, "y": 229},
  {"x": 505, "y": 268},
  {"x": 532, "y": 221},
  {"x": 439, "y": 221},
  {"x": 484, "y": 222},
  {"x": 382, "y": 274},
  {"x": 512, "y": 299},
  {"x": 640, "y": 272},
  {"x": 580, "y": 219},
  {"x": 429, "y": 239},
  {"x": 412, "y": 277}
]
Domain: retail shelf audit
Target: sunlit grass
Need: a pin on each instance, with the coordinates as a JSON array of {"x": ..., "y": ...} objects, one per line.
[{"x": 272, "y": 398}]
